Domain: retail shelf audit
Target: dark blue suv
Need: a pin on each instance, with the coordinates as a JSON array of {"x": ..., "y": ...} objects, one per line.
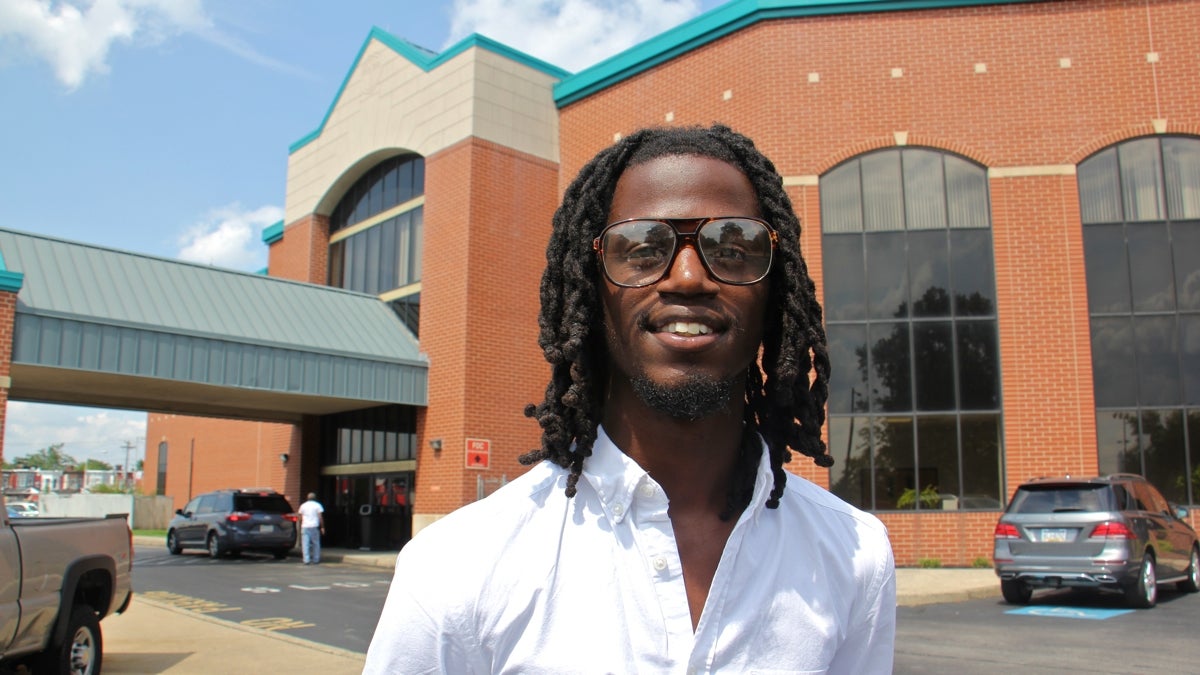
[{"x": 232, "y": 521}]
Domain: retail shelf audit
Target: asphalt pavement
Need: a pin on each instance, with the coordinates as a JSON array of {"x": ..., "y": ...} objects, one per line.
[{"x": 154, "y": 637}]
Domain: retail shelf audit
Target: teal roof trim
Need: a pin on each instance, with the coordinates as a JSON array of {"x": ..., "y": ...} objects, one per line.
[
  {"x": 722, "y": 21},
  {"x": 272, "y": 233},
  {"x": 427, "y": 60},
  {"x": 11, "y": 281}
]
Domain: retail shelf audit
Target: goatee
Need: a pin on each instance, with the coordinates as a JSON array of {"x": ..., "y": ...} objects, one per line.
[{"x": 696, "y": 397}]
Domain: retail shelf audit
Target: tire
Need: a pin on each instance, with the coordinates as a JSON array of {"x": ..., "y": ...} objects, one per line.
[
  {"x": 81, "y": 651},
  {"x": 1142, "y": 592},
  {"x": 173, "y": 543},
  {"x": 1192, "y": 583},
  {"x": 1016, "y": 592},
  {"x": 214, "y": 546}
]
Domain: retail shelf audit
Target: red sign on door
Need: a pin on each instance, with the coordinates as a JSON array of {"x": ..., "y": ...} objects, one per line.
[{"x": 478, "y": 453}]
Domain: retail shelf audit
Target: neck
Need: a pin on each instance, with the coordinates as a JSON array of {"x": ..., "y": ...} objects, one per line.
[{"x": 693, "y": 460}]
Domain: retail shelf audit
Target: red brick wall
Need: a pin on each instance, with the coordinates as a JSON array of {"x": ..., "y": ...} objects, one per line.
[
  {"x": 207, "y": 453},
  {"x": 303, "y": 252},
  {"x": 487, "y": 217},
  {"x": 8, "y": 315},
  {"x": 1025, "y": 110}
]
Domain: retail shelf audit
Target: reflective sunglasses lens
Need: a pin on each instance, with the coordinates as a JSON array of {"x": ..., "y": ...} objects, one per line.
[
  {"x": 637, "y": 252},
  {"x": 737, "y": 250}
]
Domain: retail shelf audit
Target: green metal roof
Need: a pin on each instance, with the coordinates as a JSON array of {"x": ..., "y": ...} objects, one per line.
[
  {"x": 719, "y": 22},
  {"x": 107, "y": 312}
]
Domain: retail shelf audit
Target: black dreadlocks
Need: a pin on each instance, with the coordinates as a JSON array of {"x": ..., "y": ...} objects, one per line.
[{"x": 780, "y": 402}]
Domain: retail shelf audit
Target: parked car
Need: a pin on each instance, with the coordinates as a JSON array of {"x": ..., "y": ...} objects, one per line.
[
  {"x": 1113, "y": 532},
  {"x": 25, "y": 509},
  {"x": 232, "y": 521},
  {"x": 58, "y": 578}
]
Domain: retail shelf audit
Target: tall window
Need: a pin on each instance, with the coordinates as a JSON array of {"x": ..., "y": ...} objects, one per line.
[
  {"x": 161, "y": 479},
  {"x": 376, "y": 235},
  {"x": 910, "y": 308},
  {"x": 1140, "y": 206},
  {"x": 383, "y": 434}
]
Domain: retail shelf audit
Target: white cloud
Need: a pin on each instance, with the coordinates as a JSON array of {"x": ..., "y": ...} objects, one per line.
[
  {"x": 85, "y": 432},
  {"x": 230, "y": 237},
  {"x": 74, "y": 36},
  {"x": 571, "y": 34}
]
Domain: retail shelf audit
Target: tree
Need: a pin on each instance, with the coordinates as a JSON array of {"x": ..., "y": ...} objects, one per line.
[
  {"x": 96, "y": 465},
  {"x": 50, "y": 458}
]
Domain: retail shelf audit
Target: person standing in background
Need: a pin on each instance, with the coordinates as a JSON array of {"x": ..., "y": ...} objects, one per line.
[{"x": 312, "y": 526}]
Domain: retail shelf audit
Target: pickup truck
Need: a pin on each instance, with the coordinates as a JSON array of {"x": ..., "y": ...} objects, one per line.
[{"x": 58, "y": 578}]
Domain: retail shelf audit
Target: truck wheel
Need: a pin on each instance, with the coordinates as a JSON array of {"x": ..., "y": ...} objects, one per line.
[
  {"x": 81, "y": 652},
  {"x": 173, "y": 543},
  {"x": 1142, "y": 592},
  {"x": 214, "y": 546},
  {"x": 1016, "y": 592}
]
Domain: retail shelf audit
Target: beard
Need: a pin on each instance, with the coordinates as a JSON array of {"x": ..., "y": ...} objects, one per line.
[{"x": 696, "y": 397}]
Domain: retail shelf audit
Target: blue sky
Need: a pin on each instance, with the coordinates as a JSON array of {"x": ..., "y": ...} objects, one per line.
[{"x": 162, "y": 126}]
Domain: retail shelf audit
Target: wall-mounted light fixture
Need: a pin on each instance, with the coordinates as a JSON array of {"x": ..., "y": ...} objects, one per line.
[
  {"x": 284, "y": 457},
  {"x": 436, "y": 444}
]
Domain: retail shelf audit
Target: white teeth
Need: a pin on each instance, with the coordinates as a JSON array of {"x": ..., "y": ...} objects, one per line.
[{"x": 684, "y": 328}]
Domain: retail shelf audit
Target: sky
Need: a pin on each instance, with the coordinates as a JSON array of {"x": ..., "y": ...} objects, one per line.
[{"x": 162, "y": 126}]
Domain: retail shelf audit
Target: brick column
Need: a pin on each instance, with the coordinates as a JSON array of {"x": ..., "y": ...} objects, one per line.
[{"x": 10, "y": 284}]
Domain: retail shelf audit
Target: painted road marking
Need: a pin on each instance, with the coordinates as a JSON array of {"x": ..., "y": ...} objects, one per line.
[
  {"x": 308, "y": 588},
  {"x": 186, "y": 602},
  {"x": 351, "y": 584},
  {"x": 276, "y": 623},
  {"x": 260, "y": 589},
  {"x": 1070, "y": 612}
]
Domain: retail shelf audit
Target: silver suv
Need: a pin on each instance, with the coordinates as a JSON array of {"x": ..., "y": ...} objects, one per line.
[{"x": 1113, "y": 532}]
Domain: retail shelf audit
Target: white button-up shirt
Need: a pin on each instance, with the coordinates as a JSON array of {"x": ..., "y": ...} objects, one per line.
[{"x": 528, "y": 581}]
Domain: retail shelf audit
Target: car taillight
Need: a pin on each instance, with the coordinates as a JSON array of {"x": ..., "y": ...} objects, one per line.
[
  {"x": 237, "y": 516},
  {"x": 1007, "y": 531},
  {"x": 290, "y": 516},
  {"x": 1112, "y": 530}
]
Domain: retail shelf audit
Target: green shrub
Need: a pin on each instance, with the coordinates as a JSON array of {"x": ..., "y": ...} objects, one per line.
[
  {"x": 981, "y": 562},
  {"x": 929, "y": 563}
]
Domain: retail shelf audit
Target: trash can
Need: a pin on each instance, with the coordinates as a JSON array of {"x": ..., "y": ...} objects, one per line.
[{"x": 364, "y": 513}]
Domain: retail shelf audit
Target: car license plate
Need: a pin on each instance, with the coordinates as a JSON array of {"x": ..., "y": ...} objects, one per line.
[
  {"x": 266, "y": 528},
  {"x": 1055, "y": 536}
]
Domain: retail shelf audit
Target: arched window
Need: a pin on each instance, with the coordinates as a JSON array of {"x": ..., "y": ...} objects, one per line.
[
  {"x": 1140, "y": 206},
  {"x": 375, "y": 241},
  {"x": 910, "y": 308}
]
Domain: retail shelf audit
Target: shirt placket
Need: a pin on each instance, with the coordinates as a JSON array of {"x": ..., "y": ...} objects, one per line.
[{"x": 656, "y": 542}]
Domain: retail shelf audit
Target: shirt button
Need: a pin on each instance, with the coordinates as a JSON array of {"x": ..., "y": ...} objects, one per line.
[
  {"x": 646, "y": 490},
  {"x": 660, "y": 563},
  {"x": 617, "y": 510}
]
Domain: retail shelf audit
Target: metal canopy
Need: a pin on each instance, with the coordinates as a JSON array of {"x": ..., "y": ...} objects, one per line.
[{"x": 97, "y": 326}]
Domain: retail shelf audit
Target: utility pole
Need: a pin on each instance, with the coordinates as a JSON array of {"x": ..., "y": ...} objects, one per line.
[{"x": 125, "y": 467}]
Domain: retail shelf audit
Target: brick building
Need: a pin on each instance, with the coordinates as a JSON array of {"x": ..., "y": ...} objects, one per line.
[{"x": 1001, "y": 208}]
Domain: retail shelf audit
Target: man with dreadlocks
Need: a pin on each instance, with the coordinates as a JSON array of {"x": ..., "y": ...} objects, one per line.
[{"x": 659, "y": 530}]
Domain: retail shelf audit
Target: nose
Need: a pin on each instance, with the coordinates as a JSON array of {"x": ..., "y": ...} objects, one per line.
[{"x": 687, "y": 274}]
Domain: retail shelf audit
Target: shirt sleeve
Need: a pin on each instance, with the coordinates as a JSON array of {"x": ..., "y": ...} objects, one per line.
[
  {"x": 870, "y": 645},
  {"x": 420, "y": 629}
]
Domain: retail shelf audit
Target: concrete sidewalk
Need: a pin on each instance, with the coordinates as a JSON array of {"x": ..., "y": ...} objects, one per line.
[{"x": 153, "y": 637}]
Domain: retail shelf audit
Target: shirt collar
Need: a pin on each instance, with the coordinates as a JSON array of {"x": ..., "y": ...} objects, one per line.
[{"x": 615, "y": 477}]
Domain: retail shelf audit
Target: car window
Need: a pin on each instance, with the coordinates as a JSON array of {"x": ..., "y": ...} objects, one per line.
[
  {"x": 1158, "y": 503},
  {"x": 1141, "y": 495},
  {"x": 208, "y": 504},
  {"x": 1061, "y": 499},
  {"x": 262, "y": 503},
  {"x": 192, "y": 506}
]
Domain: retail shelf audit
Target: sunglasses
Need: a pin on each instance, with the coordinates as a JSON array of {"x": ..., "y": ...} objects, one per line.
[{"x": 638, "y": 252}]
